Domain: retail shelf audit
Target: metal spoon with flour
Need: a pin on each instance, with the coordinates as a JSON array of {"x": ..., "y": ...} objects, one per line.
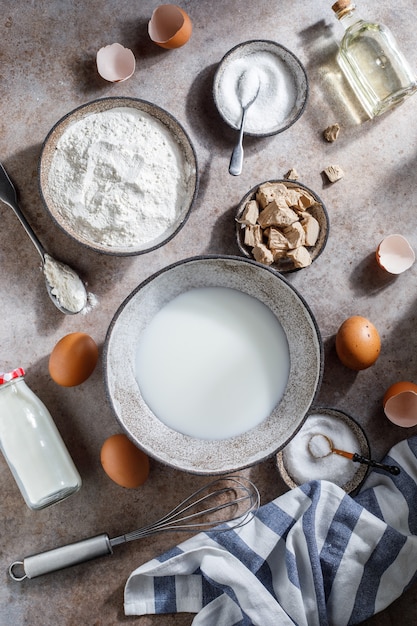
[
  {"x": 64, "y": 286},
  {"x": 247, "y": 89}
]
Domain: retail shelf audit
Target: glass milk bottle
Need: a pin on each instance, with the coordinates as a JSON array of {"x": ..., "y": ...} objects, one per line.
[
  {"x": 32, "y": 445},
  {"x": 370, "y": 59}
]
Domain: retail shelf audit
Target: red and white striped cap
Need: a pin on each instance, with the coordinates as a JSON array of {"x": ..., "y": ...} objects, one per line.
[{"x": 5, "y": 377}]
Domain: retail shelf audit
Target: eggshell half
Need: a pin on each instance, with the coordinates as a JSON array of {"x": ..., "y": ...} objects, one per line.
[
  {"x": 123, "y": 462},
  {"x": 170, "y": 27},
  {"x": 115, "y": 63},
  {"x": 400, "y": 404},
  {"x": 394, "y": 254}
]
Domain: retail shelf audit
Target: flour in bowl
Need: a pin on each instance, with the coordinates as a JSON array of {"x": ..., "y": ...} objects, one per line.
[{"x": 118, "y": 178}]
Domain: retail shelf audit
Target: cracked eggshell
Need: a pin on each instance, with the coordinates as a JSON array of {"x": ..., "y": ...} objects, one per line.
[
  {"x": 400, "y": 404},
  {"x": 169, "y": 27},
  {"x": 115, "y": 63},
  {"x": 394, "y": 254}
]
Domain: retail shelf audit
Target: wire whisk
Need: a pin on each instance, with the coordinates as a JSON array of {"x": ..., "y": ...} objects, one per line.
[{"x": 219, "y": 506}]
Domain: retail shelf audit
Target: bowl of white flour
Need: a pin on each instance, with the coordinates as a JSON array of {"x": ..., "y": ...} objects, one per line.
[{"x": 119, "y": 175}]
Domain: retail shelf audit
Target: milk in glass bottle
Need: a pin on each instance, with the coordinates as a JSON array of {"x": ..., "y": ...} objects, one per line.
[
  {"x": 372, "y": 62},
  {"x": 32, "y": 445}
]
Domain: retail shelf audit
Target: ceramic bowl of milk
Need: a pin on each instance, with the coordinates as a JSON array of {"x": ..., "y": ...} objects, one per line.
[{"x": 212, "y": 364}]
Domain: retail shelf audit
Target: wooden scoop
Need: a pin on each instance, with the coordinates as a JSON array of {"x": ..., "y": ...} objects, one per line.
[{"x": 321, "y": 446}]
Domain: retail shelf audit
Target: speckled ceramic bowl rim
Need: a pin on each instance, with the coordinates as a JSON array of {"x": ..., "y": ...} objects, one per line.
[
  {"x": 320, "y": 213},
  {"x": 104, "y": 104},
  {"x": 356, "y": 482},
  {"x": 212, "y": 456},
  {"x": 281, "y": 51}
]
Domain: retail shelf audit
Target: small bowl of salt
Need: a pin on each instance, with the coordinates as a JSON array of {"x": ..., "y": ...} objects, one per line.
[
  {"x": 308, "y": 457},
  {"x": 283, "y": 91}
]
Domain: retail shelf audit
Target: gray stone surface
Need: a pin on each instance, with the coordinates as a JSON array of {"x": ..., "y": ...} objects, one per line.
[{"x": 47, "y": 68}]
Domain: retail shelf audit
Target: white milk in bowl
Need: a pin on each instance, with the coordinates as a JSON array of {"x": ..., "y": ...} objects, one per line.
[{"x": 213, "y": 363}]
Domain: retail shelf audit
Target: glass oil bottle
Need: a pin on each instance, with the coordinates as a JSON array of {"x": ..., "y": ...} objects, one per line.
[{"x": 371, "y": 61}]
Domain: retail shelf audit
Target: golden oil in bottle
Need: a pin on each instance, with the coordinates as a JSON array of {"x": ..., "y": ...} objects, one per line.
[{"x": 371, "y": 61}]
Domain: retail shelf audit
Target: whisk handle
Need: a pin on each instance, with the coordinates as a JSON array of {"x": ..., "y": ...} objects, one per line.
[{"x": 59, "y": 558}]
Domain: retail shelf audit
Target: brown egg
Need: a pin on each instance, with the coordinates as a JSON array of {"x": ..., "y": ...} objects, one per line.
[
  {"x": 169, "y": 27},
  {"x": 123, "y": 462},
  {"x": 358, "y": 344},
  {"x": 73, "y": 359},
  {"x": 400, "y": 403}
]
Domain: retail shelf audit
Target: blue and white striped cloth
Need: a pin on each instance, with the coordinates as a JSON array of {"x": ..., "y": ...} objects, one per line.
[{"x": 313, "y": 556}]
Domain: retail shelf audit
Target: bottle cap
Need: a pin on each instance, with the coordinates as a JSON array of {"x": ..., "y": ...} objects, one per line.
[
  {"x": 6, "y": 377},
  {"x": 343, "y": 6}
]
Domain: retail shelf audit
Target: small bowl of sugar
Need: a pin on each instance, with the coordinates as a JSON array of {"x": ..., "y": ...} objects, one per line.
[
  {"x": 283, "y": 89},
  {"x": 300, "y": 462}
]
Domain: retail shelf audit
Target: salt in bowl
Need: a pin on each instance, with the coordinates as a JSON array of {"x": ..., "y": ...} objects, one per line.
[{"x": 297, "y": 465}]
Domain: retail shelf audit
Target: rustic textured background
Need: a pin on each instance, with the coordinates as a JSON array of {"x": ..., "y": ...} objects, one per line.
[{"x": 47, "y": 68}]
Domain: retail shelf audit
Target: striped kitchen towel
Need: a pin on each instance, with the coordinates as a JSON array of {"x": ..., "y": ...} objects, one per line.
[{"x": 313, "y": 556}]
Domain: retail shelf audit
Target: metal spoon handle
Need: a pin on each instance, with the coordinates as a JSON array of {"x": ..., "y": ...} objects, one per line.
[
  {"x": 392, "y": 469},
  {"x": 236, "y": 160},
  {"x": 8, "y": 196}
]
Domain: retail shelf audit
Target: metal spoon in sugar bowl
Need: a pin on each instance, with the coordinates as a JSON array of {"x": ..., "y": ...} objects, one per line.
[
  {"x": 64, "y": 286},
  {"x": 248, "y": 88}
]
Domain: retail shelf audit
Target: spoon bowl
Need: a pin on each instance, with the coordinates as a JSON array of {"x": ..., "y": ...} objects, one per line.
[{"x": 62, "y": 272}]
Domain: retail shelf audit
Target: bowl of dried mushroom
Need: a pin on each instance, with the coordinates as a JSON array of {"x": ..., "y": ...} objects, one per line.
[{"x": 282, "y": 224}]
